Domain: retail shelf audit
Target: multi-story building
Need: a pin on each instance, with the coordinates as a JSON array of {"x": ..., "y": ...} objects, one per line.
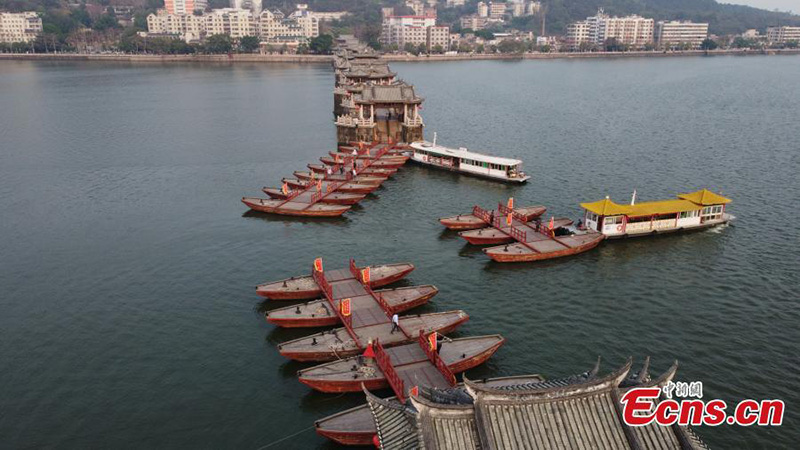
[
  {"x": 474, "y": 22},
  {"x": 270, "y": 26},
  {"x": 497, "y": 10},
  {"x": 184, "y": 6},
  {"x": 580, "y": 32},
  {"x": 782, "y": 35},
  {"x": 634, "y": 31},
  {"x": 675, "y": 33},
  {"x": 416, "y": 30},
  {"x": 483, "y": 9},
  {"x": 306, "y": 19},
  {"x": 19, "y": 27}
]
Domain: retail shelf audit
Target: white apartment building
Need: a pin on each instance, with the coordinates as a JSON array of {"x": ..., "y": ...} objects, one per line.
[
  {"x": 580, "y": 32},
  {"x": 782, "y": 35},
  {"x": 19, "y": 27},
  {"x": 270, "y": 26},
  {"x": 416, "y": 30},
  {"x": 253, "y": 5},
  {"x": 635, "y": 31},
  {"x": 184, "y": 6},
  {"x": 675, "y": 33}
]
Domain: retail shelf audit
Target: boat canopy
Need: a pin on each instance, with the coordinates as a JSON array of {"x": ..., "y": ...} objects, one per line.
[
  {"x": 463, "y": 153},
  {"x": 686, "y": 202},
  {"x": 705, "y": 197}
]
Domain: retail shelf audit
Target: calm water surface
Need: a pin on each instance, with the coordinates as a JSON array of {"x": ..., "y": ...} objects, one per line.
[{"x": 128, "y": 263}]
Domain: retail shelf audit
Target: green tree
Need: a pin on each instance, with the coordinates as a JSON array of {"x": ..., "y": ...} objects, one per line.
[
  {"x": 410, "y": 48},
  {"x": 219, "y": 43},
  {"x": 249, "y": 44},
  {"x": 321, "y": 44},
  {"x": 480, "y": 48},
  {"x": 422, "y": 48},
  {"x": 437, "y": 49}
]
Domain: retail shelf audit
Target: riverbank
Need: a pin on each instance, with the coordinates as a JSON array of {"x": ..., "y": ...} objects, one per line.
[{"x": 326, "y": 59}]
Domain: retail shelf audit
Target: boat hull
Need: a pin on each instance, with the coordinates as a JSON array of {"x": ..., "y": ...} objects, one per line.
[
  {"x": 335, "y": 198},
  {"x": 332, "y": 211},
  {"x": 504, "y": 257},
  {"x": 304, "y": 321},
  {"x": 273, "y": 290},
  {"x": 354, "y": 385}
]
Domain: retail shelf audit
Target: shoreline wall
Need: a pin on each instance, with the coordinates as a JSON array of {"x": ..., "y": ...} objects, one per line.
[{"x": 326, "y": 59}]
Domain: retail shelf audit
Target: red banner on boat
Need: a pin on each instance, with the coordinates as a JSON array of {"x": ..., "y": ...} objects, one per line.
[
  {"x": 318, "y": 264},
  {"x": 365, "y": 275},
  {"x": 432, "y": 340},
  {"x": 319, "y": 186},
  {"x": 345, "y": 304},
  {"x": 510, "y": 203},
  {"x": 414, "y": 391},
  {"x": 285, "y": 189},
  {"x": 369, "y": 352},
  {"x": 552, "y": 224},
  {"x": 509, "y": 218}
]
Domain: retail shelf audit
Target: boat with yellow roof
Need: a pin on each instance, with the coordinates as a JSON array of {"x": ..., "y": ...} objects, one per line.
[{"x": 693, "y": 211}]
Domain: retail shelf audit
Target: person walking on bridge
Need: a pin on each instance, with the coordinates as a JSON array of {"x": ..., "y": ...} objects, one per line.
[{"x": 395, "y": 323}]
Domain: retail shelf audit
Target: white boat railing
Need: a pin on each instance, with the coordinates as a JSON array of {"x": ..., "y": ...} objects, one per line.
[{"x": 350, "y": 121}]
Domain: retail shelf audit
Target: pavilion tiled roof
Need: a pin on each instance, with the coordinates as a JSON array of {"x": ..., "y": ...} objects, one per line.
[
  {"x": 395, "y": 93},
  {"x": 576, "y": 412}
]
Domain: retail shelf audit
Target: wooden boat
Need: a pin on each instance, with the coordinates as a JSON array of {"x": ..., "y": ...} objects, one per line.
[
  {"x": 471, "y": 222},
  {"x": 305, "y": 288},
  {"x": 368, "y": 171},
  {"x": 493, "y": 236},
  {"x": 348, "y": 375},
  {"x": 375, "y": 164},
  {"x": 294, "y": 208},
  {"x": 394, "y": 157},
  {"x": 546, "y": 248},
  {"x": 360, "y": 179},
  {"x": 318, "y": 313},
  {"x": 337, "y": 343},
  {"x": 335, "y": 198},
  {"x": 355, "y": 426}
]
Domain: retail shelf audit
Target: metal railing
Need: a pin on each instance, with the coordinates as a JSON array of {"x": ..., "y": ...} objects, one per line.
[
  {"x": 518, "y": 234},
  {"x": 385, "y": 363},
  {"x": 437, "y": 361},
  {"x": 505, "y": 210}
]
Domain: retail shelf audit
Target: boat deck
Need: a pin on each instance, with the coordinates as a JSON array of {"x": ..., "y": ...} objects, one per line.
[{"x": 535, "y": 240}]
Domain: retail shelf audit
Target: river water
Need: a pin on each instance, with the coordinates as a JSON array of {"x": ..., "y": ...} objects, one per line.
[{"x": 129, "y": 317}]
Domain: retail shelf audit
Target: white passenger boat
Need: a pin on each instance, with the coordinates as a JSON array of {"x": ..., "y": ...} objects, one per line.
[
  {"x": 694, "y": 211},
  {"x": 468, "y": 162}
]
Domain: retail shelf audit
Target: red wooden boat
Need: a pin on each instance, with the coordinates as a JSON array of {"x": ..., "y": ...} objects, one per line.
[
  {"x": 393, "y": 157},
  {"x": 493, "y": 236},
  {"x": 360, "y": 179},
  {"x": 294, "y": 209},
  {"x": 472, "y": 222},
  {"x": 338, "y": 343},
  {"x": 349, "y": 374},
  {"x": 547, "y": 248},
  {"x": 355, "y": 426},
  {"x": 305, "y": 288},
  {"x": 369, "y": 171},
  {"x": 318, "y": 313},
  {"x": 374, "y": 164},
  {"x": 347, "y": 188},
  {"x": 335, "y": 198}
]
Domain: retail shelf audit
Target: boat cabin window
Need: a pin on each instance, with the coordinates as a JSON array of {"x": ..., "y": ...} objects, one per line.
[
  {"x": 688, "y": 214},
  {"x": 612, "y": 220},
  {"x": 591, "y": 216}
]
